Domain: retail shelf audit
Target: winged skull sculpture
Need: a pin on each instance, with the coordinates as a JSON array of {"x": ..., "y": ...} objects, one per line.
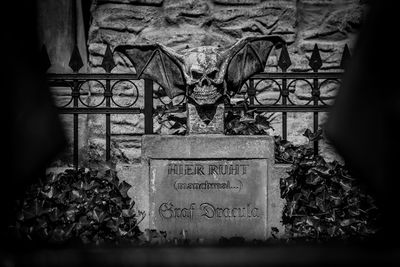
[{"x": 205, "y": 74}]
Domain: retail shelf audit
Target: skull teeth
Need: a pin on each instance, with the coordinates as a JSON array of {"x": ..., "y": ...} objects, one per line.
[{"x": 205, "y": 92}]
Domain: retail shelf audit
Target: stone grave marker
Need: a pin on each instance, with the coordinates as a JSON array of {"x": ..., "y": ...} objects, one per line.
[
  {"x": 211, "y": 186},
  {"x": 197, "y": 196},
  {"x": 205, "y": 184}
]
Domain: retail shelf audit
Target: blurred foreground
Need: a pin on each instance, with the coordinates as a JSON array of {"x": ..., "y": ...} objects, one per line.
[{"x": 334, "y": 255}]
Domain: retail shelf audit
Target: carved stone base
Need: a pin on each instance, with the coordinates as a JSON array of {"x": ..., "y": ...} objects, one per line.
[
  {"x": 210, "y": 185},
  {"x": 196, "y": 125}
]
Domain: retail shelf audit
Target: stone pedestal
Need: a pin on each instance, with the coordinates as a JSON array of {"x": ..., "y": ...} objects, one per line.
[
  {"x": 214, "y": 125},
  {"x": 211, "y": 186}
]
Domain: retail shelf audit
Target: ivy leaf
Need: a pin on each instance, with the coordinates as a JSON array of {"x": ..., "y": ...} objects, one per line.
[
  {"x": 55, "y": 215},
  {"x": 346, "y": 222},
  {"x": 262, "y": 121},
  {"x": 345, "y": 185},
  {"x": 313, "y": 179},
  {"x": 35, "y": 209},
  {"x": 176, "y": 119},
  {"x": 98, "y": 215},
  {"x": 70, "y": 214},
  {"x": 128, "y": 213},
  {"x": 313, "y": 136},
  {"x": 76, "y": 195},
  {"x": 324, "y": 170},
  {"x": 123, "y": 188}
]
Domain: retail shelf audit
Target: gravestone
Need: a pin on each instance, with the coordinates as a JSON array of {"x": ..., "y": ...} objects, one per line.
[
  {"x": 206, "y": 185},
  {"x": 211, "y": 186}
]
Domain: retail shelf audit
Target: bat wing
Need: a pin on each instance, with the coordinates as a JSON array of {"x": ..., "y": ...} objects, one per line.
[
  {"x": 248, "y": 57},
  {"x": 157, "y": 63}
]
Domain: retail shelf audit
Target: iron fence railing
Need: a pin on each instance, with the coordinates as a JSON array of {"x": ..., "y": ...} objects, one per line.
[{"x": 284, "y": 84}]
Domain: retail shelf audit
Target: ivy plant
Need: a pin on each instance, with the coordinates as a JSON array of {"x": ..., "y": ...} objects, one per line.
[
  {"x": 78, "y": 206},
  {"x": 323, "y": 200}
]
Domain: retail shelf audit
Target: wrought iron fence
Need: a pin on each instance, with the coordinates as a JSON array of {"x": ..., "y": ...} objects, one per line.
[{"x": 283, "y": 82}]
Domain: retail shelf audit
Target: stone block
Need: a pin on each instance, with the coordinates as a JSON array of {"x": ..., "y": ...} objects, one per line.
[
  {"x": 137, "y": 2},
  {"x": 196, "y": 125},
  {"x": 209, "y": 199},
  {"x": 274, "y": 198},
  {"x": 211, "y": 146},
  {"x": 237, "y": 2},
  {"x": 209, "y": 186},
  {"x": 131, "y": 173}
]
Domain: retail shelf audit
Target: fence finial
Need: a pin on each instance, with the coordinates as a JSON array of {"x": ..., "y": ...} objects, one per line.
[
  {"x": 346, "y": 56},
  {"x": 108, "y": 61},
  {"x": 315, "y": 60},
  {"x": 45, "y": 62},
  {"x": 284, "y": 61},
  {"x": 75, "y": 62}
]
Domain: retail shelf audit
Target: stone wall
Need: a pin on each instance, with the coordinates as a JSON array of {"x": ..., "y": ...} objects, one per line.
[{"x": 188, "y": 23}]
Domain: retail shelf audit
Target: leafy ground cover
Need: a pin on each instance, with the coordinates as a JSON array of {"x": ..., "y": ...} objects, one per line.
[
  {"x": 78, "y": 206},
  {"x": 324, "y": 201}
]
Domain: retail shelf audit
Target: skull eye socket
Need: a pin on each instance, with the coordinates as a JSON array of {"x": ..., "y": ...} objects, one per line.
[
  {"x": 197, "y": 75},
  {"x": 212, "y": 75}
]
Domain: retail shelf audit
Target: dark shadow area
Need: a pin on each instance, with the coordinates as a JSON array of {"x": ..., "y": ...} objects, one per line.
[
  {"x": 364, "y": 120},
  {"x": 33, "y": 133}
]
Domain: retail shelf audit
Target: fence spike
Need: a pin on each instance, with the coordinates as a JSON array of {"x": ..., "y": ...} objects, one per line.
[
  {"x": 315, "y": 60},
  {"x": 75, "y": 62},
  {"x": 108, "y": 61},
  {"x": 346, "y": 56},
  {"x": 284, "y": 61},
  {"x": 45, "y": 62}
]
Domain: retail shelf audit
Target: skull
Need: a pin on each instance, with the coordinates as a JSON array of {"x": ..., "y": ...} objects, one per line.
[{"x": 203, "y": 77}]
